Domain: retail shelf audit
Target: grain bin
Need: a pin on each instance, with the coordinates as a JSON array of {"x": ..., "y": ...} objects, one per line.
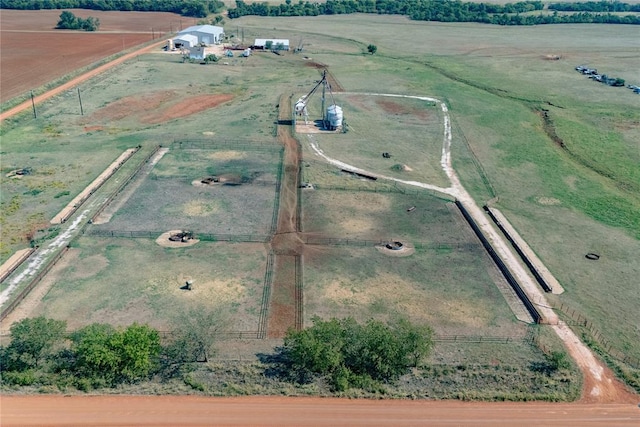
[{"x": 334, "y": 117}]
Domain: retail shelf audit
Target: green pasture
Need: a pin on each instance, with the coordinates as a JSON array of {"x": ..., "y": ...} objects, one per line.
[
  {"x": 173, "y": 197},
  {"x": 410, "y": 130},
  {"x": 121, "y": 281}
]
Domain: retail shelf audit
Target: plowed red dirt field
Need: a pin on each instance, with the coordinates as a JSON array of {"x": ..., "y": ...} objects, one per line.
[
  {"x": 301, "y": 411},
  {"x": 33, "y": 53}
]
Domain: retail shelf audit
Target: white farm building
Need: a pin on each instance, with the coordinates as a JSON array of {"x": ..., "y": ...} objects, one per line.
[
  {"x": 273, "y": 44},
  {"x": 199, "y": 34}
]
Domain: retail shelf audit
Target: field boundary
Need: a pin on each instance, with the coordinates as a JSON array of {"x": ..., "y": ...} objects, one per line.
[
  {"x": 543, "y": 283},
  {"x": 501, "y": 265},
  {"x": 205, "y": 237},
  {"x": 578, "y": 319},
  {"x": 386, "y": 189},
  {"x": 36, "y": 279},
  {"x": 190, "y": 143},
  {"x": 95, "y": 185},
  {"x": 126, "y": 182},
  {"x": 266, "y": 297},
  {"x": 14, "y": 262}
]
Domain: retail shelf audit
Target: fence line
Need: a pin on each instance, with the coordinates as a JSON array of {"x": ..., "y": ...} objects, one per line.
[
  {"x": 99, "y": 185},
  {"x": 36, "y": 279},
  {"x": 126, "y": 182},
  {"x": 204, "y": 144},
  {"x": 207, "y": 237},
  {"x": 580, "y": 320},
  {"x": 385, "y": 189},
  {"x": 17, "y": 264},
  {"x": 299, "y": 296},
  {"x": 266, "y": 296}
]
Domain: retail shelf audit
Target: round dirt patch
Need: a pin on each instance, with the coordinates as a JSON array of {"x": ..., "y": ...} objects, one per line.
[
  {"x": 549, "y": 201},
  {"x": 163, "y": 240},
  {"x": 396, "y": 248}
]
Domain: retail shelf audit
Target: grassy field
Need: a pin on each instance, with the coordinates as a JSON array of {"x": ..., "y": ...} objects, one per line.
[
  {"x": 173, "y": 197},
  {"x": 121, "y": 281},
  {"x": 564, "y": 200},
  {"x": 452, "y": 290},
  {"x": 374, "y": 216},
  {"x": 410, "y": 130}
]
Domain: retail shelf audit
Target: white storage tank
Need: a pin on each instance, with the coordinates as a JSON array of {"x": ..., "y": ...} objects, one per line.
[{"x": 334, "y": 117}]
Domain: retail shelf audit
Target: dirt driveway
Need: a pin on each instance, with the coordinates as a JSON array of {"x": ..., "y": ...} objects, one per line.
[{"x": 299, "y": 411}]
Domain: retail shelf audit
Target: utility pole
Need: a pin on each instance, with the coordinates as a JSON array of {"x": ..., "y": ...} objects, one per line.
[
  {"x": 324, "y": 87},
  {"x": 80, "y": 99},
  {"x": 33, "y": 104}
]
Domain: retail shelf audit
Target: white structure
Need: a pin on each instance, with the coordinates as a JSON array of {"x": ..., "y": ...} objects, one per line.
[
  {"x": 273, "y": 44},
  {"x": 197, "y": 52},
  {"x": 301, "y": 109},
  {"x": 334, "y": 117},
  {"x": 185, "y": 41},
  {"x": 204, "y": 34}
]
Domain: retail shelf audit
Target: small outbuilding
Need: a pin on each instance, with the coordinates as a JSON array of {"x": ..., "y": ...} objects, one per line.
[
  {"x": 271, "y": 44},
  {"x": 185, "y": 41},
  {"x": 204, "y": 34}
]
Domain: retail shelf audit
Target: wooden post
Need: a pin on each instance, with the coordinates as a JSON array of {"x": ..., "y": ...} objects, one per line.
[
  {"x": 33, "y": 104},
  {"x": 80, "y": 100}
]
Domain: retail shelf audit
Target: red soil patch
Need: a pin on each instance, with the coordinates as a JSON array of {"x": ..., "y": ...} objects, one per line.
[
  {"x": 186, "y": 107},
  {"x": 398, "y": 109},
  {"x": 156, "y": 107},
  {"x": 34, "y": 54}
]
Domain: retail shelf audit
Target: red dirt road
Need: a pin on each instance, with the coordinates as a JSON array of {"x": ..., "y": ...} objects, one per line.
[{"x": 301, "y": 411}]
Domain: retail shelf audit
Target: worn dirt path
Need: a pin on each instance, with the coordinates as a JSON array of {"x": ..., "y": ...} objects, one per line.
[
  {"x": 289, "y": 411},
  {"x": 76, "y": 81},
  {"x": 285, "y": 303},
  {"x": 600, "y": 384}
]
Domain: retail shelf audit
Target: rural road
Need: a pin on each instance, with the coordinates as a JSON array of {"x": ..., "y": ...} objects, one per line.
[
  {"x": 77, "y": 80},
  {"x": 45, "y": 411}
]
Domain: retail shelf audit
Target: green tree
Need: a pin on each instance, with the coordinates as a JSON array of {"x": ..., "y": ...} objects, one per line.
[
  {"x": 103, "y": 352},
  {"x": 195, "y": 335},
  {"x": 32, "y": 341},
  {"x": 372, "y": 48},
  {"x": 68, "y": 21},
  {"x": 350, "y": 354}
]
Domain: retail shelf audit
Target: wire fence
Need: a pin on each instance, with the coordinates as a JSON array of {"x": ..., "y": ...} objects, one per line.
[
  {"x": 191, "y": 143},
  {"x": 206, "y": 237},
  {"x": 124, "y": 183},
  {"x": 266, "y": 296},
  {"x": 580, "y": 320},
  {"x": 34, "y": 281},
  {"x": 384, "y": 189}
]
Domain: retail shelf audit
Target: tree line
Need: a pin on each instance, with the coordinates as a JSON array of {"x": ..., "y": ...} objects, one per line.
[
  {"x": 434, "y": 10},
  {"x": 595, "y": 6},
  {"x": 193, "y": 8},
  {"x": 345, "y": 353}
]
